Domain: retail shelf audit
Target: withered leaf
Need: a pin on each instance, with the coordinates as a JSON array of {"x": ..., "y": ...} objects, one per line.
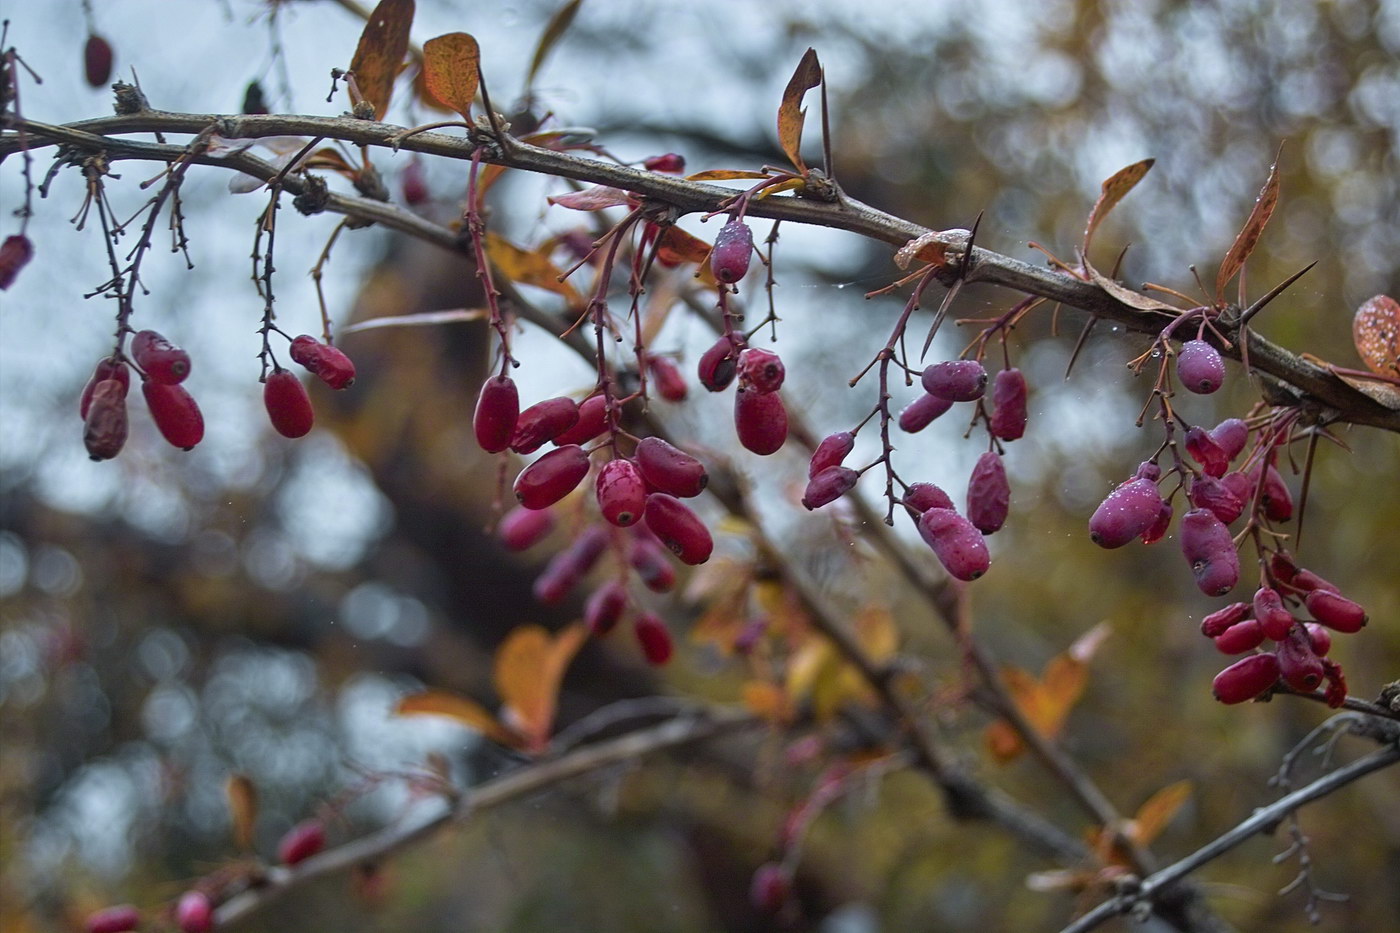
[
  {"x": 1126, "y": 295},
  {"x": 791, "y": 116},
  {"x": 466, "y": 711},
  {"x": 1114, "y": 189},
  {"x": 1249, "y": 235},
  {"x": 529, "y": 268},
  {"x": 381, "y": 51},
  {"x": 451, "y": 70},
  {"x": 242, "y": 808}
]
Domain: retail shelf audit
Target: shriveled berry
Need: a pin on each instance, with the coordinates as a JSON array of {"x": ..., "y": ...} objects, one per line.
[
  {"x": 1127, "y": 512},
  {"x": 551, "y": 477},
  {"x": 105, "y": 427},
  {"x": 956, "y": 542},
  {"x": 301, "y": 842},
  {"x": 1319, "y": 638},
  {"x": 175, "y": 413},
  {"x": 729, "y": 260},
  {"x": 1246, "y": 679},
  {"x": 718, "y": 365},
  {"x": 678, "y": 528},
  {"x": 988, "y": 494},
  {"x": 288, "y": 405},
  {"x": 15, "y": 254},
  {"x": 761, "y": 370},
  {"x": 109, "y": 368},
  {"x": 159, "y": 359},
  {"x": 1008, "y": 420},
  {"x": 1218, "y": 621},
  {"x": 1205, "y": 451},
  {"x": 1335, "y": 611},
  {"x": 325, "y": 362},
  {"x": 497, "y": 409},
  {"x": 1230, "y": 436},
  {"x": 1158, "y": 529},
  {"x": 1208, "y": 548},
  {"x": 672, "y": 162},
  {"x": 522, "y": 528},
  {"x": 118, "y": 919},
  {"x": 922, "y": 412},
  {"x": 1299, "y": 666},
  {"x": 956, "y": 380},
  {"x": 924, "y": 496},
  {"x": 1274, "y": 618},
  {"x": 770, "y": 888},
  {"x": 760, "y": 421},
  {"x": 832, "y": 451},
  {"x": 1276, "y": 499},
  {"x": 1336, "y": 691},
  {"x": 1207, "y": 492},
  {"x": 194, "y": 912},
  {"x": 828, "y": 486},
  {"x": 666, "y": 376},
  {"x": 97, "y": 61},
  {"x": 654, "y": 638},
  {"x": 592, "y": 421},
  {"x": 605, "y": 607},
  {"x": 1200, "y": 367},
  {"x": 1240, "y": 637},
  {"x": 670, "y": 469},
  {"x": 622, "y": 495},
  {"x": 543, "y": 421},
  {"x": 648, "y": 558}
]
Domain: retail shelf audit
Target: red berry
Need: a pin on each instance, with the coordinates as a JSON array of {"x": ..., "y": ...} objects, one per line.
[
  {"x": 1307, "y": 580},
  {"x": 654, "y": 638},
  {"x": 832, "y": 451},
  {"x": 760, "y": 420},
  {"x": 1277, "y": 501},
  {"x": 1205, "y": 451},
  {"x": 622, "y": 495},
  {"x": 770, "y": 888},
  {"x": 648, "y": 558},
  {"x": 667, "y": 162},
  {"x": 414, "y": 182},
  {"x": 551, "y": 477},
  {"x": 924, "y": 496},
  {"x": 97, "y": 61},
  {"x": 301, "y": 842},
  {"x": 1200, "y": 367},
  {"x": 678, "y": 528},
  {"x": 729, "y": 260},
  {"x": 1218, "y": 621},
  {"x": 1299, "y": 666},
  {"x": 1335, "y": 611},
  {"x": 1320, "y": 638},
  {"x": 1207, "y": 492},
  {"x": 542, "y": 422},
  {"x": 1008, "y": 420},
  {"x": 109, "y": 368},
  {"x": 670, "y": 384},
  {"x": 1208, "y": 548},
  {"x": 958, "y": 545},
  {"x": 592, "y": 421},
  {"x": 956, "y": 380},
  {"x": 105, "y": 427},
  {"x": 922, "y": 412},
  {"x": 828, "y": 486},
  {"x": 118, "y": 919},
  {"x": 1246, "y": 678},
  {"x": 988, "y": 494},
  {"x": 497, "y": 409},
  {"x": 761, "y": 370},
  {"x": 1127, "y": 512},
  {"x": 522, "y": 528},
  {"x": 718, "y": 365},
  {"x": 605, "y": 607},
  {"x": 567, "y": 567},
  {"x": 323, "y": 361},
  {"x": 288, "y": 405},
  {"x": 194, "y": 912},
  {"x": 175, "y": 413},
  {"x": 1160, "y": 524},
  {"x": 670, "y": 469},
  {"x": 1240, "y": 637},
  {"x": 1230, "y": 436},
  {"x": 15, "y": 254},
  {"x": 161, "y": 360},
  {"x": 1274, "y": 619}
]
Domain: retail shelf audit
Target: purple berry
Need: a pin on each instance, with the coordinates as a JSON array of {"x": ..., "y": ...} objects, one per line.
[
  {"x": 760, "y": 421},
  {"x": 678, "y": 528},
  {"x": 1246, "y": 678},
  {"x": 828, "y": 486},
  {"x": 922, "y": 412},
  {"x": 956, "y": 542},
  {"x": 988, "y": 494},
  {"x": 924, "y": 496},
  {"x": 1127, "y": 512},
  {"x": 1008, "y": 420},
  {"x": 956, "y": 380},
  {"x": 1200, "y": 367},
  {"x": 551, "y": 477},
  {"x": 832, "y": 451},
  {"x": 1208, "y": 548},
  {"x": 729, "y": 260}
]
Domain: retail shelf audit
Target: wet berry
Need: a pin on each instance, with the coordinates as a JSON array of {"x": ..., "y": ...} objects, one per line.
[
  {"x": 956, "y": 380},
  {"x": 325, "y": 362},
  {"x": 924, "y": 496},
  {"x": 194, "y": 913},
  {"x": 543, "y": 422},
  {"x": 1148, "y": 470},
  {"x": 97, "y": 61},
  {"x": 988, "y": 494},
  {"x": 1218, "y": 621},
  {"x": 605, "y": 608},
  {"x": 522, "y": 528},
  {"x": 1208, "y": 548},
  {"x": 592, "y": 421},
  {"x": 1158, "y": 529},
  {"x": 1240, "y": 637},
  {"x": 1275, "y": 620},
  {"x": 654, "y": 638},
  {"x": 301, "y": 842},
  {"x": 828, "y": 486},
  {"x": 1008, "y": 420},
  {"x": 832, "y": 451},
  {"x": 761, "y": 370},
  {"x": 958, "y": 545},
  {"x": 667, "y": 378},
  {"x": 15, "y": 254},
  {"x": 288, "y": 405},
  {"x": 159, "y": 359},
  {"x": 551, "y": 477},
  {"x": 175, "y": 413},
  {"x": 1205, "y": 451},
  {"x": 1200, "y": 367},
  {"x": 622, "y": 495},
  {"x": 118, "y": 919},
  {"x": 497, "y": 409},
  {"x": 678, "y": 528},
  {"x": 1299, "y": 666},
  {"x": 1126, "y": 513},
  {"x": 1230, "y": 436},
  {"x": 1335, "y": 611},
  {"x": 1246, "y": 678},
  {"x": 760, "y": 421},
  {"x": 718, "y": 365},
  {"x": 729, "y": 260},
  {"x": 922, "y": 412},
  {"x": 1208, "y": 492},
  {"x": 105, "y": 427},
  {"x": 670, "y": 469}
]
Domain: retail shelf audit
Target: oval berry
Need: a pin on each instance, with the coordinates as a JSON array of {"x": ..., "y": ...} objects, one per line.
[
  {"x": 621, "y": 492},
  {"x": 1276, "y": 499},
  {"x": 956, "y": 380},
  {"x": 988, "y": 494},
  {"x": 288, "y": 405},
  {"x": 1008, "y": 420},
  {"x": 118, "y": 919},
  {"x": 543, "y": 421},
  {"x": 1307, "y": 581},
  {"x": 828, "y": 486},
  {"x": 654, "y": 638},
  {"x": 1208, "y": 548},
  {"x": 670, "y": 469},
  {"x": 1335, "y": 611},
  {"x": 770, "y": 888},
  {"x": 832, "y": 451},
  {"x": 109, "y": 368},
  {"x": 718, "y": 365},
  {"x": 1246, "y": 678},
  {"x": 15, "y": 254},
  {"x": 159, "y": 359},
  {"x": 678, "y": 528},
  {"x": 592, "y": 421},
  {"x": 1319, "y": 638},
  {"x": 1274, "y": 619},
  {"x": 760, "y": 421},
  {"x": 105, "y": 427},
  {"x": 729, "y": 260},
  {"x": 605, "y": 608},
  {"x": 922, "y": 412},
  {"x": 413, "y": 183},
  {"x": 551, "y": 477},
  {"x": 924, "y": 496},
  {"x": 1126, "y": 513},
  {"x": 1240, "y": 637},
  {"x": 1208, "y": 492},
  {"x": 569, "y": 566},
  {"x": 958, "y": 545},
  {"x": 97, "y": 61},
  {"x": 672, "y": 162},
  {"x": 194, "y": 912},
  {"x": 175, "y": 413},
  {"x": 648, "y": 558},
  {"x": 1200, "y": 367},
  {"x": 523, "y": 528},
  {"x": 670, "y": 384},
  {"x": 497, "y": 409},
  {"x": 1298, "y": 665},
  {"x": 761, "y": 370},
  {"x": 301, "y": 842},
  {"x": 1218, "y": 621},
  {"x": 1230, "y": 435}
]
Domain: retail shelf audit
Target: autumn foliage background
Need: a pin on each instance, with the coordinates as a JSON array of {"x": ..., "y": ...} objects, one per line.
[{"x": 259, "y": 605}]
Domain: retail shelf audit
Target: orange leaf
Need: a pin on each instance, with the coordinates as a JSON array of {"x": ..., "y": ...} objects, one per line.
[
  {"x": 558, "y": 24},
  {"x": 451, "y": 68},
  {"x": 1249, "y": 235},
  {"x": 676, "y": 245},
  {"x": 1154, "y": 815},
  {"x": 530, "y": 666},
  {"x": 723, "y": 174},
  {"x": 1376, "y": 331},
  {"x": 768, "y": 701},
  {"x": 242, "y": 808},
  {"x": 1045, "y": 703},
  {"x": 790, "y": 113},
  {"x": 1115, "y": 187},
  {"x": 381, "y": 51},
  {"x": 877, "y": 633},
  {"x": 528, "y": 268},
  {"x": 467, "y": 712}
]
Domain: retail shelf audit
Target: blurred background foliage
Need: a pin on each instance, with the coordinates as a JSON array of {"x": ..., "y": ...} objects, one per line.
[{"x": 258, "y": 605}]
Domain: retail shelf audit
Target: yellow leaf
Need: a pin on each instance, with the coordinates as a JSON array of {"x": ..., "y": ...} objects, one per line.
[
  {"x": 768, "y": 701},
  {"x": 451, "y": 69},
  {"x": 1114, "y": 189},
  {"x": 381, "y": 51},
  {"x": 1154, "y": 815},
  {"x": 467, "y": 712},
  {"x": 815, "y": 674},
  {"x": 530, "y": 667},
  {"x": 242, "y": 808},
  {"x": 878, "y": 634},
  {"x": 529, "y": 268},
  {"x": 1045, "y": 702},
  {"x": 789, "y": 185},
  {"x": 790, "y": 113},
  {"x": 723, "y": 174}
]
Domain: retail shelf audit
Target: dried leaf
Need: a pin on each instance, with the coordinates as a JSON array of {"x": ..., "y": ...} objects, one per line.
[
  {"x": 928, "y": 247},
  {"x": 676, "y": 246},
  {"x": 1114, "y": 189},
  {"x": 466, "y": 711},
  {"x": 529, "y": 268},
  {"x": 242, "y": 809},
  {"x": 1126, "y": 295},
  {"x": 592, "y": 199},
  {"x": 723, "y": 174},
  {"x": 1384, "y": 393},
  {"x": 451, "y": 69},
  {"x": 1046, "y": 702},
  {"x": 1249, "y": 235},
  {"x": 330, "y": 159},
  {"x": 1154, "y": 815},
  {"x": 556, "y": 27},
  {"x": 791, "y": 116},
  {"x": 877, "y": 633},
  {"x": 380, "y": 54},
  {"x": 792, "y": 184},
  {"x": 530, "y": 667},
  {"x": 425, "y": 319},
  {"x": 1376, "y": 332}
]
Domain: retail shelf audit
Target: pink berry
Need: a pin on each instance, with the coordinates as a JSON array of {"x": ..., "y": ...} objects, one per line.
[
  {"x": 497, "y": 409},
  {"x": 288, "y": 405},
  {"x": 1277, "y": 501},
  {"x": 1335, "y": 611},
  {"x": 956, "y": 380},
  {"x": 988, "y": 494},
  {"x": 1126, "y": 513},
  {"x": 15, "y": 254},
  {"x": 670, "y": 469},
  {"x": 543, "y": 422},
  {"x": 828, "y": 486},
  {"x": 648, "y": 558},
  {"x": 301, "y": 842},
  {"x": 924, "y": 496},
  {"x": 672, "y": 162},
  {"x": 118, "y": 919},
  {"x": 1275, "y": 620},
  {"x": 1230, "y": 436},
  {"x": 771, "y": 887},
  {"x": 922, "y": 412},
  {"x": 105, "y": 427},
  {"x": 1148, "y": 470},
  {"x": 175, "y": 413},
  {"x": 1307, "y": 581},
  {"x": 1246, "y": 678},
  {"x": 1208, "y": 548},
  {"x": 97, "y": 61},
  {"x": 109, "y": 368},
  {"x": 718, "y": 365},
  {"x": 654, "y": 638},
  {"x": 1208, "y": 492},
  {"x": 1205, "y": 451},
  {"x": 1320, "y": 638},
  {"x": 159, "y": 359},
  {"x": 1218, "y": 621},
  {"x": 1008, "y": 420},
  {"x": 1158, "y": 529},
  {"x": 760, "y": 421},
  {"x": 678, "y": 528},
  {"x": 1240, "y": 637},
  {"x": 592, "y": 421},
  {"x": 832, "y": 451},
  {"x": 666, "y": 376},
  {"x": 194, "y": 912},
  {"x": 959, "y": 546},
  {"x": 729, "y": 260},
  {"x": 1200, "y": 367},
  {"x": 1299, "y": 666},
  {"x": 621, "y": 492},
  {"x": 551, "y": 477},
  {"x": 570, "y": 565},
  {"x": 605, "y": 608},
  {"x": 522, "y": 528},
  {"x": 761, "y": 370}
]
